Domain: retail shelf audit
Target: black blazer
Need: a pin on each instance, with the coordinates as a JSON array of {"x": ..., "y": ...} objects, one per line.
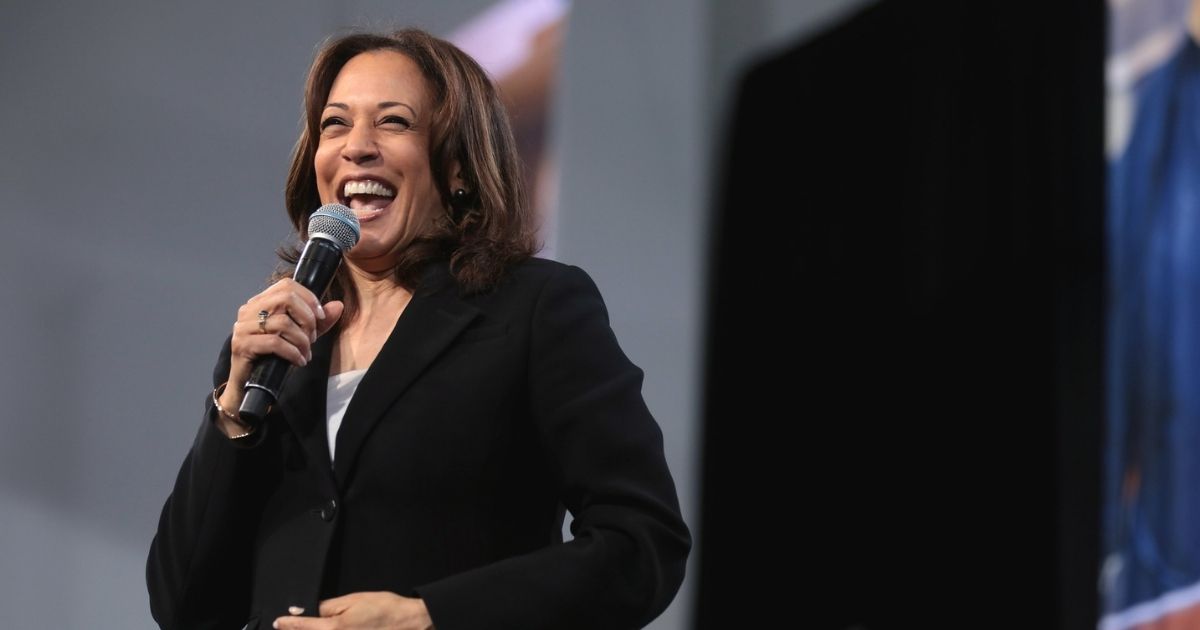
[{"x": 482, "y": 418}]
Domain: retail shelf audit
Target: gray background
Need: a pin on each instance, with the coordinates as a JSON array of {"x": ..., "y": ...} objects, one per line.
[{"x": 145, "y": 148}]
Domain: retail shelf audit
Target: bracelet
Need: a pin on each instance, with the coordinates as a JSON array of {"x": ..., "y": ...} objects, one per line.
[{"x": 221, "y": 410}]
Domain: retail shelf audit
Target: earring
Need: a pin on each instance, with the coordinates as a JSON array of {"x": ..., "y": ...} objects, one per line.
[
  {"x": 460, "y": 200},
  {"x": 461, "y": 210}
]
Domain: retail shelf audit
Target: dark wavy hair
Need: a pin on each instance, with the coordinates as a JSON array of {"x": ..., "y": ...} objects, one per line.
[{"x": 482, "y": 238}]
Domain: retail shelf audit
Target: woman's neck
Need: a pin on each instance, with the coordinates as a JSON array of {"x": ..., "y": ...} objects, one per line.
[
  {"x": 380, "y": 297},
  {"x": 381, "y": 300}
]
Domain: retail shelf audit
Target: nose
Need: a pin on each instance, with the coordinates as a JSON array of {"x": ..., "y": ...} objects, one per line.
[{"x": 360, "y": 144}]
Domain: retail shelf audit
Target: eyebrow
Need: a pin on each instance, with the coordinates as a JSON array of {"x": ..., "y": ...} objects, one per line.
[{"x": 383, "y": 105}]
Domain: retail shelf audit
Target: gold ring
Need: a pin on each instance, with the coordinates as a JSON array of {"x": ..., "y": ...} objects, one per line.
[{"x": 262, "y": 321}]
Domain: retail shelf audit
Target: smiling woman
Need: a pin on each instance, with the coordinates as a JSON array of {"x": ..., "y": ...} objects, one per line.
[{"x": 449, "y": 398}]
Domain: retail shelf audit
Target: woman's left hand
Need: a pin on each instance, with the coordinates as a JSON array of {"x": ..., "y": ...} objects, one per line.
[{"x": 363, "y": 611}]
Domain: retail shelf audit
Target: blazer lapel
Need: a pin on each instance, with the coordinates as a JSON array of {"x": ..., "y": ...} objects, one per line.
[
  {"x": 429, "y": 323},
  {"x": 302, "y": 402}
]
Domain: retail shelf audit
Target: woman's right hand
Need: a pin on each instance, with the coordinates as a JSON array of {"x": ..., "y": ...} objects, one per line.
[{"x": 295, "y": 319}]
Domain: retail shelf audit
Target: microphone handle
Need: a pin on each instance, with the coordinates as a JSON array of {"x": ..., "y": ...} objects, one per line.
[{"x": 314, "y": 271}]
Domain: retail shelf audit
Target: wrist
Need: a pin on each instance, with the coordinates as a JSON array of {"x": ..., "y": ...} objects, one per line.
[
  {"x": 226, "y": 402},
  {"x": 426, "y": 620}
]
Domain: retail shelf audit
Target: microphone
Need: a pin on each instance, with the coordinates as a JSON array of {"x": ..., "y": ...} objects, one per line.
[{"x": 332, "y": 230}]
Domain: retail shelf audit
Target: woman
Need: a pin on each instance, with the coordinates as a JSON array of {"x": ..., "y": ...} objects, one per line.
[{"x": 452, "y": 398}]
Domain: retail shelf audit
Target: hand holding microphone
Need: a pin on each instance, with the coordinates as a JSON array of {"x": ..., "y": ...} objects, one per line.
[{"x": 276, "y": 328}]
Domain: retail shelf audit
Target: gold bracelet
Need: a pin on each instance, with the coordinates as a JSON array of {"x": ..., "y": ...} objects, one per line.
[{"x": 221, "y": 410}]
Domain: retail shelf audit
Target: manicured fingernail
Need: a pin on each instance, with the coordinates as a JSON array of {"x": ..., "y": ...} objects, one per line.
[
  {"x": 320, "y": 312},
  {"x": 295, "y": 610},
  {"x": 309, "y": 358},
  {"x": 275, "y": 624},
  {"x": 303, "y": 362}
]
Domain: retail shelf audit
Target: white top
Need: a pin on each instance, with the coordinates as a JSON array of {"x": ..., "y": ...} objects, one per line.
[{"x": 338, "y": 393}]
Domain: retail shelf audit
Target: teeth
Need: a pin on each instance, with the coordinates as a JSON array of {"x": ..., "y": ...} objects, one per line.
[{"x": 367, "y": 187}]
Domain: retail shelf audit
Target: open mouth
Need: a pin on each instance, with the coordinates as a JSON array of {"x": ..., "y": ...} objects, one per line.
[{"x": 367, "y": 197}]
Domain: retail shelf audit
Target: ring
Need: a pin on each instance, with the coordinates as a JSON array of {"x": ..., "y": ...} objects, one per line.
[{"x": 262, "y": 321}]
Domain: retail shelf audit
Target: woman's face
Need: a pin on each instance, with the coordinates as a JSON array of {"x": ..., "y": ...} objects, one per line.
[{"x": 373, "y": 153}]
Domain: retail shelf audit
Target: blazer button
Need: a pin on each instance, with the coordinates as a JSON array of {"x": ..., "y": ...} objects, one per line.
[{"x": 328, "y": 511}]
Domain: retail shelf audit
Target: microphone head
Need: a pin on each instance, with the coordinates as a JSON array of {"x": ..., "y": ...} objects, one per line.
[{"x": 336, "y": 223}]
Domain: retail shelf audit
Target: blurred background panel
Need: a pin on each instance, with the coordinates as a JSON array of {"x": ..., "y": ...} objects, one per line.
[
  {"x": 904, "y": 372},
  {"x": 1150, "y": 577}
]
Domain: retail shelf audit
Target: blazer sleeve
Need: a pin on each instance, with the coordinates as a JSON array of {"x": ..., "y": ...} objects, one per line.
[
  {"x": 626, "y": 560},
  {"x": 199, "y": 566}
]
